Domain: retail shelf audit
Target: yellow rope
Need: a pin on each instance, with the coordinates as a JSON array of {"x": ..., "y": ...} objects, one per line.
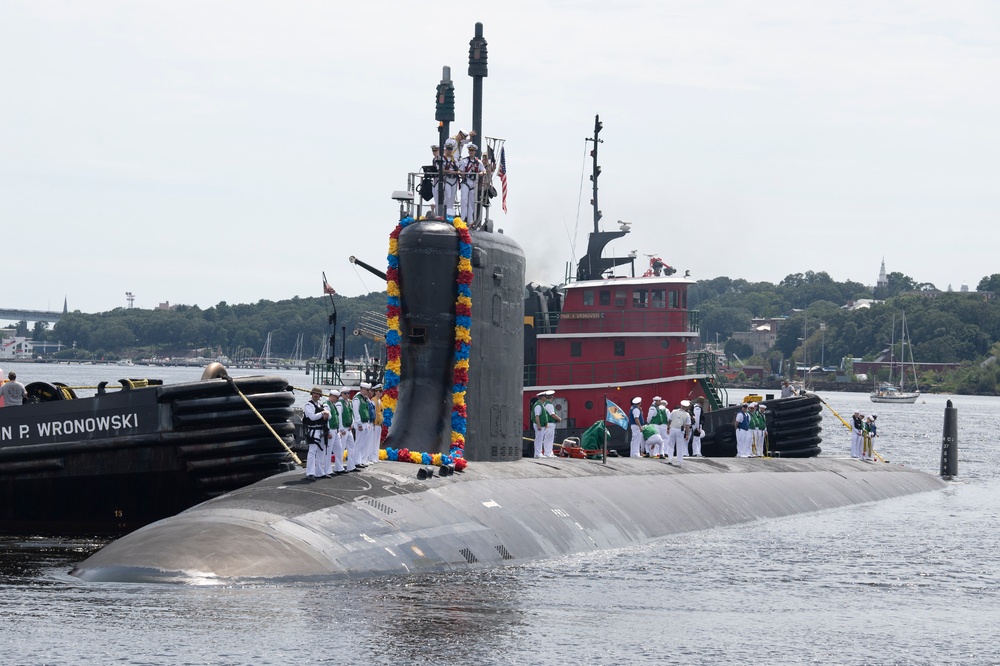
[
  {"x": 834, "y": 413},
  {"x": 849, "y": 427},
  {"x": 264, "y": 421}
]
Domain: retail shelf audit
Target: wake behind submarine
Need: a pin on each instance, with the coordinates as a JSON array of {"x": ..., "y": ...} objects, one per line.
[{"x": 455, "y": 357}]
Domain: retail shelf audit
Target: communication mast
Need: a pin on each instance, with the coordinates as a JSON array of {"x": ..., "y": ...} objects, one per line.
[{"x": 130, "y": 297}]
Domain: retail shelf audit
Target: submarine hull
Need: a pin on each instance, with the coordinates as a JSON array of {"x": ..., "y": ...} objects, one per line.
[{"x": 388, "y": 522}]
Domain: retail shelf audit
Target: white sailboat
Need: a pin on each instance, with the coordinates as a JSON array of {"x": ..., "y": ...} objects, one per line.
[{"x": 889, "y": 392}]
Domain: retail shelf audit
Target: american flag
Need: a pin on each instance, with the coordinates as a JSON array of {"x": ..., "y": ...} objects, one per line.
[
  {"x": 503, "y": 178},
  {"x": 327, "y": 289}
]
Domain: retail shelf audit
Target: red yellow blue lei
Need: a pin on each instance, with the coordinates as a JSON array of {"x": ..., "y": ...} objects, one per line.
[{"x": 463, "y": 343}]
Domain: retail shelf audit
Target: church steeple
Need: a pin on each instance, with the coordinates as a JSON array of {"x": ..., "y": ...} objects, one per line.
[{"x": 883, "y": 281}]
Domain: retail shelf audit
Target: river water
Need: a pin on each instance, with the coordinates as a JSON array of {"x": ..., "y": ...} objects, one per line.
[{"x": 909, "y": 581}]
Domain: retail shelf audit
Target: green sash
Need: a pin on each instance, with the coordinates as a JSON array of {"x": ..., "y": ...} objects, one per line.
[{"x": 348, "y": 413}]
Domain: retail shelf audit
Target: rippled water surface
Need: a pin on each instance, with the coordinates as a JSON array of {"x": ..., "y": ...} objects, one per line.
[{"x": 909, "y": 581}]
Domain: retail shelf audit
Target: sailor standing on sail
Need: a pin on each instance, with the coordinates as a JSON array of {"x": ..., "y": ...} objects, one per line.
[
  {"x": 450, "y": 177},
  {"x": 472, "y": 170},
  {"x": 314, "y": 420},
  {"x": 635, "y": 422},
  {"x": 431, "y": 177}
]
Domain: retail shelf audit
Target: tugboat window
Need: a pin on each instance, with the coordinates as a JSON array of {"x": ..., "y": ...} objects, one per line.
[
  {"x": 619, "y": 347},
  {"x": 684, "y": 299},
  {"x": 576, "y": 348},
  {"x": 639, "y": 298},
  {"x": 620, "y": 298},
  {"x": 588, "y": 296},
  {"x": 659, "y": 299},
  {"x": 673, "y": 299},
  {"x": 605, "y": 297}
]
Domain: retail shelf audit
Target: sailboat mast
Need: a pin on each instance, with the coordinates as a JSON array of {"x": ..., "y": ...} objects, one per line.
[{"x": 892, "y": 348}]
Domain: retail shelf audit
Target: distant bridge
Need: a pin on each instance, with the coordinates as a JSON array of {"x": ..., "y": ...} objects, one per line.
[{"x": 30, "y": 315}]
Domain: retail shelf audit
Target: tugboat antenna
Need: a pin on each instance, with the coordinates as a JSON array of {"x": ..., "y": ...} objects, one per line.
[
  {"x": 595, "y": 264},
  {"x": 598, "y": 126}
]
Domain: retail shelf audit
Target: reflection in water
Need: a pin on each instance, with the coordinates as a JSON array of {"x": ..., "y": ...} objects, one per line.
[
  {"x": 24, "y": 558},
  {"x": 464, "y": 617}
]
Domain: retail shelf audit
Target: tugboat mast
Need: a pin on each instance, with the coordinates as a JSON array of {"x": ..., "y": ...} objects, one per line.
[
  {"x": 594, "y": 264},
  {"x": 598, "y": 126}
]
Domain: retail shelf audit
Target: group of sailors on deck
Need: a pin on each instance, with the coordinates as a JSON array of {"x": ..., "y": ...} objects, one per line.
[
  {"x": 468, "y": 176},
  {"x": 863, "y": 434},
  {"x": 342, "y": 424},
  {"x": 665, "y": 434},
  {"x": 751, "y": 431}
]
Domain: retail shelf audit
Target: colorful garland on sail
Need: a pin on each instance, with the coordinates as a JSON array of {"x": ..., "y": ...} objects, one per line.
[{"x": 463, "y": 341}]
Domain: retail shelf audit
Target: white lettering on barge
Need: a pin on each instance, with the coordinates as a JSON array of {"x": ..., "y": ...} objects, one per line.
[
  {"x": 78, "y": 426},
  {"x": 90, "y": 424}
]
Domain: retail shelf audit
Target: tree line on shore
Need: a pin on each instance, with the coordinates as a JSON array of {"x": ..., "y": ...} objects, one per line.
[{"x": 943, "y": 326}]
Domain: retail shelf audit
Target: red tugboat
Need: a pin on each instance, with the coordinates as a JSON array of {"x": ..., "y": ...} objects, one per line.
[{"x": 623, "y": 337}]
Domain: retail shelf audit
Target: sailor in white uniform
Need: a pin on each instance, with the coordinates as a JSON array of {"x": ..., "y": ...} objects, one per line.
[
  {"x": 742, "y": 424},
  {"x": 663, "y": 427},
  {"x": 345, "y": 412},
  {"x": 696, "y": 412},
  {"x": 314, "y": 421},
  {"x": 636, "y": 422},
  {"x": 335, "y": 460},
  {"x": 450, "y": 177},
  {"x": 550, "y": 427},
  {"x": 680, "y": 428},
  {"x": 359, "y": 408},
  {"x": 652, "y": 418},
  {"x": 540, "y": 421},
  {"x": 857, "y": 428},
  {"x": 472, "y": 170}
]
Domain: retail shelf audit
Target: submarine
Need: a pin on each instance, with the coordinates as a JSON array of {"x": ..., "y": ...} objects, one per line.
[{"x": 454, "y": 385}]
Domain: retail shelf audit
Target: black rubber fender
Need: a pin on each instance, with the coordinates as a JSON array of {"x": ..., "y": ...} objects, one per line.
[
  {"x": 808, "y": 452},
  {"x": 795, "y": 433},
  {"x": 792, "y": 444}
]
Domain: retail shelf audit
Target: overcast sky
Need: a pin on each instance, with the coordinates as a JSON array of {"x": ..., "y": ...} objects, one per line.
[{"x": 198, "y": 152}]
